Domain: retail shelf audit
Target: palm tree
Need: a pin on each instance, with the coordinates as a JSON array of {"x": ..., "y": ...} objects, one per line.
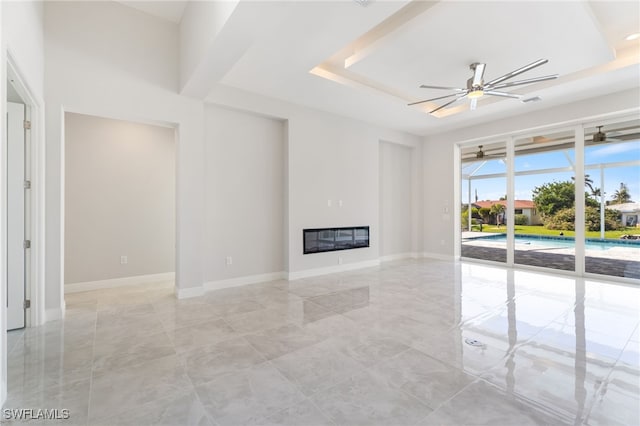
[
  {"x": 621, "y": 195},
  {"x": 588, "y": 182},
  {"x": 497, "y": 209}
]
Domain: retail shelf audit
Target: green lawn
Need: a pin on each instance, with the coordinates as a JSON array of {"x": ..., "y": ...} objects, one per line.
[{"x": 541, "y": 230}]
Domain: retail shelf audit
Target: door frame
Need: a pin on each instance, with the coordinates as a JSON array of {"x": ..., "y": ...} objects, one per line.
[
  {"x": 34, "y": 112},
  {"x": 577, "y": 125}
]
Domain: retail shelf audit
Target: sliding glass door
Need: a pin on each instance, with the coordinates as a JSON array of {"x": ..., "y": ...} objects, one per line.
[
  {"x": 484, "y": 188},
  {"x": 566, "y": 199},
  {"x": 612, "y": 210},
  {"x": 544, "y": 204}
]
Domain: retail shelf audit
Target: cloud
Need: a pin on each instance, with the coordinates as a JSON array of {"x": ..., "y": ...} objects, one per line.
[{"x": 614, "y": 149}]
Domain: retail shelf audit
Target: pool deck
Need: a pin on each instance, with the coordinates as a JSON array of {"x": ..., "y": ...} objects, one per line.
[{"x": 617, "y": 261}]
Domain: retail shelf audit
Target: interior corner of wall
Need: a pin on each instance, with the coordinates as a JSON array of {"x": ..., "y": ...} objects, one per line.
[{"x": 187, "y": 293}]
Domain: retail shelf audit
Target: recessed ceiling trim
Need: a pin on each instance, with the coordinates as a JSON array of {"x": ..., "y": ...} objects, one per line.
[
  {"x": 337, "y": 68},
  {"x": 371, "y": 40}
]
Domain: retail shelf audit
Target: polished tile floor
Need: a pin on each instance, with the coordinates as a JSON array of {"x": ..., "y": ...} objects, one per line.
[{"x": 420, "y": 342}]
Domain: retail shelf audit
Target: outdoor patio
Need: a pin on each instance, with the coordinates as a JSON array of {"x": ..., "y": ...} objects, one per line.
[{"x": 624, "y": 266}]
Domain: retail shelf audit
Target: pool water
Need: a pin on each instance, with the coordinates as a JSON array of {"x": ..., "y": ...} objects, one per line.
[{"x": 564, "y": 242}]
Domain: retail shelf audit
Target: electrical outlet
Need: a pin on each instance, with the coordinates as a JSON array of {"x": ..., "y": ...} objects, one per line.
[
  {"x": 124, "y": 260},
  {"x": 339, "y": 260},
  {"x": 229, "y": 260}
]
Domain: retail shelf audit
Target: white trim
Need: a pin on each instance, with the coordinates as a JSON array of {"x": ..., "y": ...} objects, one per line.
[
  {"x": 438, "y": 256},
  {"x": 399, "y": 256},
  {"x": 35, "y": 290},
  {"x": 332, "y": 269},
  {"x": 54, "y": 314},
  {"x": 611, "y": 117},
  {"x": 118, "y": 282},
  {"x": 240, "y": 281},
  {"x": 187, "y": 293}
]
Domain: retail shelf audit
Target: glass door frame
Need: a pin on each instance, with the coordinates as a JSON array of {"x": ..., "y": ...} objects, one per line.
[{"x": 578, "y": 126}]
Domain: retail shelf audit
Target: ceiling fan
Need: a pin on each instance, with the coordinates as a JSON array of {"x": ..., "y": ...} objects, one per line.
[
  {"x": 620, "y": 134},
  {"x": 476, "y": 87},
  {"x": 599, "y": 136},
  {"x": 480, "y": 154}
]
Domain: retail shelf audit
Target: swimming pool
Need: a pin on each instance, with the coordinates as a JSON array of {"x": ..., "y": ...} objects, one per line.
[{"x": 563, "y": 242}]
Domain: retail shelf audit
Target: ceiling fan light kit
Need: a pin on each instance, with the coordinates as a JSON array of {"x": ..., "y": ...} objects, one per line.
[{"x": 477, "y": 88}]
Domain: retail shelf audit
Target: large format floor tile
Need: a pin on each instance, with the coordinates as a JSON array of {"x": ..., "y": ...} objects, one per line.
[
  {"x": 363, "y": 399},
  {"x": 416, "y": 342},
  {"x": 317, "y": 367},
  {"x": 482, "y": 404},
  {"x": 248, "y": 396}
]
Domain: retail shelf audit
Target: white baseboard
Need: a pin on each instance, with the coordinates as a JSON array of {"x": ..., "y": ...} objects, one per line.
[
  {"x": 53, "y": 314},
  {"x": 399, "y": 256},
  {"x": 118, "y": 282},
  {"x": 240, "y": 281},
  {"x": 187, "y": 293},
  {"x": 332, "y": 269},
  {"x": 438, "y": 256}
]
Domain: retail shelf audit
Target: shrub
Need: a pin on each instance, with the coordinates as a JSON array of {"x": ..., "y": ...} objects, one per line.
[
  {"x": 564, "y": 220},
  {"x": 521, "y": 219}
]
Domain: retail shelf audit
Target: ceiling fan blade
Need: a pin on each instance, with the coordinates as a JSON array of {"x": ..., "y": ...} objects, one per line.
[
  {"x": 518, "y": 71},
  {"x": 448, "y": 103},
  {"x": 433, "y": 99},
  {"x": 519, "y": 82},
  {"x": 474, "y": 104},
  {"x": 457, "y": 89},
  {"x": 478, "y": 74},
  {"x": 502, "y": 94}
]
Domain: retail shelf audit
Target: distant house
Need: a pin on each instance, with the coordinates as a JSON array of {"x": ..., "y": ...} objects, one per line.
[
  {"x": 630, "y": 213},
  {"x": 525, "y": 207}
]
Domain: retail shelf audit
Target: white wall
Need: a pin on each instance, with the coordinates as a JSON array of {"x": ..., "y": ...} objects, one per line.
[
  {"x": 21, "y": 35},
  {"x": 100, "y": 62},
  {"x": 201, "y": 22},
  {"x": 244, "y": 194},
  {"x": 119, "y": 198},
  {"x": 329, "y": 157},
  {"x": 395, "y": 199},
  {"x": 438, "y": 158}
]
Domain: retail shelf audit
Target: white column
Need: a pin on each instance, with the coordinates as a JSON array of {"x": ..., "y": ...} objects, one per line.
[
  {"x": 469, "y": 205},
  {"x": 510, "y": 209},
  {"x": 579, "y": 199},
  {"x": 601, "y": 201}
]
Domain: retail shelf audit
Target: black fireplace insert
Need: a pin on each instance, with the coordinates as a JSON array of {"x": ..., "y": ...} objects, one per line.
[{"x": 318, "y": 240}]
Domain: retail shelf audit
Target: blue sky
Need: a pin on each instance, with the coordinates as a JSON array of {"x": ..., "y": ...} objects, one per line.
[{"x": 493, "y": 189}]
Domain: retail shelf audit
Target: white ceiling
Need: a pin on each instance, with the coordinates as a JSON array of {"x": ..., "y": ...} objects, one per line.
[
  {"x": 298, "y": 49},
  {"x": 170, "y": 10}
]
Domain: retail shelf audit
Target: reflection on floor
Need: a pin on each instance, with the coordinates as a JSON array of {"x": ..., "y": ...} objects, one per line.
[{"x": 387, "y": 345}]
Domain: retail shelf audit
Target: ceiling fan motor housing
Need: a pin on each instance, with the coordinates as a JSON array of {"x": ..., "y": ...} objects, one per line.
[
  {"x": 471, "y": 87},
  {"x": 599, "y": 136}
]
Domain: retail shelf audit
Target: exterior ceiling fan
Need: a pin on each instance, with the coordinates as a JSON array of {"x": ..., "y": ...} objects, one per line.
[
  {"x": 480, "y": 154},
  {"x": 476, "y": 87},
  {"x": 599, "y": 136}
]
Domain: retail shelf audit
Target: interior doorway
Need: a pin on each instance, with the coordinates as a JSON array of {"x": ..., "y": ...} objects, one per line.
[{"x": 119, "y": 203}]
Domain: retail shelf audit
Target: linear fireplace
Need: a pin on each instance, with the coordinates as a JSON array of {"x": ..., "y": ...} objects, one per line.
[{"x": 318, "y": 240}]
